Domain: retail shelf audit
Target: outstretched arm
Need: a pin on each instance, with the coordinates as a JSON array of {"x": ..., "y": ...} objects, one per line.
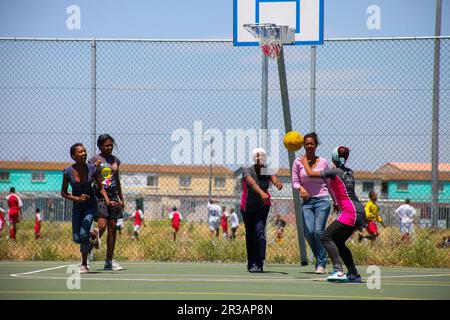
[{"x": 309, "y": 171}]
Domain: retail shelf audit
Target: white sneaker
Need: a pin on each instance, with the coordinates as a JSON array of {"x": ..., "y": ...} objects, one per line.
[
  {"x": 83, "y": 269},
  {"x": 321, "y": 270},
  {"x": 338, "y": 276},
  {"x": 112, "y": 265}
]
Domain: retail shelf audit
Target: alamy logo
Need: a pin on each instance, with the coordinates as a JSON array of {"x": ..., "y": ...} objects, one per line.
[
  {"x": 232, "y": 147},
  {"x": 73, "y": 21},
  {"x": 374, "y": 20},
  {"x": 74, "y": 280},
  {"x": 374, "y": 280}
]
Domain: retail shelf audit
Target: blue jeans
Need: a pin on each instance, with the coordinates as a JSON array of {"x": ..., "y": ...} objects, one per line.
[
  {"x": 315, "y": 216},
  {"x": 82, "y": 217}
]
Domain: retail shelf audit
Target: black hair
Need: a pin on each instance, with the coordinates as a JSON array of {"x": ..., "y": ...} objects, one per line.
[
  {"x": 38, "y": 210},
  {"x": 407, "y": 201},
  {"x": 174, "y": 208},
  {"x": 102, "y": 138},
  {"x": 313, "y": 136},
  {"x": 371, "y": 193},
  {"x": 73, "y": 147},
  {"x": 138, "y": 207},
  {"x": 12, "y": 189}
]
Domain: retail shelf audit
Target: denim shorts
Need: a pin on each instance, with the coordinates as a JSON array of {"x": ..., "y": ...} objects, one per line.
[{"x": 108, "y": 212}]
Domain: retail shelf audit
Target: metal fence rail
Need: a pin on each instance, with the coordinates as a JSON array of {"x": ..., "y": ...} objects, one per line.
[{"x": 156, "y": 97}]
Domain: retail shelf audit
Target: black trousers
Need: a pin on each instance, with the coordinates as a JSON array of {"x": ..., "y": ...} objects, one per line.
[
  {"x": 255, "y": 235},
  {"x": 333, "y": 240}
]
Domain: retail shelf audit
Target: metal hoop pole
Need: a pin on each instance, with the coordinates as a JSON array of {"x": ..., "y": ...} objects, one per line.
[{"x": 288, "y": 127}]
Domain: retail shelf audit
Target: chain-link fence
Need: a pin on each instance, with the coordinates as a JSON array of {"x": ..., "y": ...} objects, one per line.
[{"x": 186, "y": 115}]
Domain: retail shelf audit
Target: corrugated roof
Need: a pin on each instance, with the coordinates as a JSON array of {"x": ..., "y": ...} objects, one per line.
[
  {"x": 162, "y": 168},
  {"x": 379, "y": 175},
  {"x": 390, "y": 171},
  {"x": 413, "y": 166}
]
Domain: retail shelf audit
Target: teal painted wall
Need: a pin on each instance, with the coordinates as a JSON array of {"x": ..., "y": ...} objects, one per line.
[
  {"x": 21, "y": 180},
  {"x": 417, "y": 191}
]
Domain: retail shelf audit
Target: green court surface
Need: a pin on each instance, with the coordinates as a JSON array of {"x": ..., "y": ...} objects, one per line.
[{"x": 212, "y": 281}]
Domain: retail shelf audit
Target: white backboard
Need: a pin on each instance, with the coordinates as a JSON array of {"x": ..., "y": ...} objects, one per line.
[{"x": 305, "y": 16}]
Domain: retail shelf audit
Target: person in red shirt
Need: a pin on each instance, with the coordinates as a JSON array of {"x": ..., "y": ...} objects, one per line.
[
  {"x": 14, "y": 212},
  {"x": 224, "y": 222},
  {"x": 37, "y": 224},
  {"x": 2, "y": 220},
  {"x": 138, "y": 217},
  {"x": 175, "y": 217}
]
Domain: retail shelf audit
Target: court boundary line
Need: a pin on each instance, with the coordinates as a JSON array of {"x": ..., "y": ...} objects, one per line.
[
  {"x": 248, "y": 280},
  {"x": 37, "y": 271},
  {"x": 209, "y": 263},
  {"x": 218, "y": 293}
]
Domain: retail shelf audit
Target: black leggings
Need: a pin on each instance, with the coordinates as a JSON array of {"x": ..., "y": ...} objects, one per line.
[
  {"x": 333, "y": 240},
  {"x": 255, "y": 236}
]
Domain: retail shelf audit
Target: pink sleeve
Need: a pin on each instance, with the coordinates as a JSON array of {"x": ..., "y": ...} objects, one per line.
[{"x": 296, "y": 180}]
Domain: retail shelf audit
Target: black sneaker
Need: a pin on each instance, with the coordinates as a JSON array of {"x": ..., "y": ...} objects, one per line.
[
  {"x": 255, "y": 269},
  {"x": 354, "y": 278}
]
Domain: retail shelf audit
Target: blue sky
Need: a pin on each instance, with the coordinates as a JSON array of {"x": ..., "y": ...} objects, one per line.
[{"x": 203, "y": 19}]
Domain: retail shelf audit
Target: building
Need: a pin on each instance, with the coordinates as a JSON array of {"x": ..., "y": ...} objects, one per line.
[
  {"x": 413, "y": 181},
  {"x": 156, "y": 188}
]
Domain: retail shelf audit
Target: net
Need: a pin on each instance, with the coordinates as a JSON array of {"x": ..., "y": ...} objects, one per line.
[{"x": 271, "y": 37}]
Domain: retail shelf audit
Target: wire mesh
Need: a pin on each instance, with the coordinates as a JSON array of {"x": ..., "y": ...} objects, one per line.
[{"x": 164, "y": 101}]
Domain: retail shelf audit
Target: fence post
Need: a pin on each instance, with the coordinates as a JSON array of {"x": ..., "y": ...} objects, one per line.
[
  {"x": 93, "y": 95},
  {"x": 264, "y": 101},
  {"x": 435, "y": 122},
  {"x": 288, "y": 127},
  {"x": 312, "y": 123}
]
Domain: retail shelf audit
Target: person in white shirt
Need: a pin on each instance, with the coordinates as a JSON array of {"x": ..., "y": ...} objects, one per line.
[
  {"x": 406, "y": 213},
  {"x": 234, "y": 223},
  {"x": 119, "y": 225},
  {"x": 214, "y": 213}
]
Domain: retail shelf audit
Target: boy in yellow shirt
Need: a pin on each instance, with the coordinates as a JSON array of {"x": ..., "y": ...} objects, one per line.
[{"x": 372, "y": 217}]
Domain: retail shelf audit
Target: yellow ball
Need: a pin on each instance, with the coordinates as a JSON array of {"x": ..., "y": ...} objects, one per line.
[{"x": 293, "y": 141}]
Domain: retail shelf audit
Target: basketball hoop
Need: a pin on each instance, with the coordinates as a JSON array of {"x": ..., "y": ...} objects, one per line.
[{"x": 271, "y": 37}]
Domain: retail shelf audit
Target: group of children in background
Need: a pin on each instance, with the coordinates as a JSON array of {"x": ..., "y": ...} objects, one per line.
[
  {"x": 219, "y": 217},
  {"x": 15, "y": 216},
  {"x": 405, "y": 213}
]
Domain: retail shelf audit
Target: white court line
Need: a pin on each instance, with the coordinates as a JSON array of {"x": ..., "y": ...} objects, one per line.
[
  {"x": 306, "y": 281},
  {"x": 37, "y": 271},
  {"x": 162, "y": 279},
  {"x": 249, "y": 280},
  {"x": 230, "y": 264},
  {"x": 418, "y": 275},
  {"x": 197, "y": 275}
]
